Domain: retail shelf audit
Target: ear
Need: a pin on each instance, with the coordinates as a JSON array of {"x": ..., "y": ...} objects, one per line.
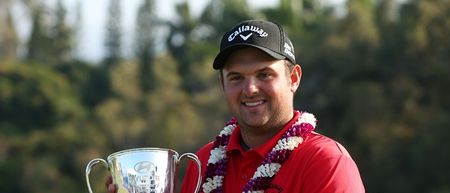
[{"x": 295, "y": 76}]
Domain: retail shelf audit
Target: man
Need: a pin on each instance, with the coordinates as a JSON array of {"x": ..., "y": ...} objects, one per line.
[{"x": 268, "y": 146}]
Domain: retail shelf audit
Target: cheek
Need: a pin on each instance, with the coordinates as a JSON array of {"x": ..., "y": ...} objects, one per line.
[
  {"x": 282, "y": 90},
  {"x": 231, "y": 93}
]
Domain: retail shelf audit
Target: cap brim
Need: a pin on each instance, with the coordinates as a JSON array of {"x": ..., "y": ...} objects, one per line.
[{"x": 222, "y": 57}]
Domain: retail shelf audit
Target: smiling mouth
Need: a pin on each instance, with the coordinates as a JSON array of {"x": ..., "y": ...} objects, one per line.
[{"x": 253, "y": 104}]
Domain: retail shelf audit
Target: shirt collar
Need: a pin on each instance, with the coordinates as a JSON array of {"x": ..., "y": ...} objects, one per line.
[{"x": 262, "y": 150}]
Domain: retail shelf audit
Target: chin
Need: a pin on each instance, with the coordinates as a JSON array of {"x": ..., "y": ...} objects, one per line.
[{"x": 252, "y": 122}]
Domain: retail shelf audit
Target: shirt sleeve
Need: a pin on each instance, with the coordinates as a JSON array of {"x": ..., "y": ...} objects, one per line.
[{"x": 333, "y": 173}]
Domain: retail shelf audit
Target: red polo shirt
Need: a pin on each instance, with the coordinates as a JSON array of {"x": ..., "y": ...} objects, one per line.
[{"x": 318, "y": 165}]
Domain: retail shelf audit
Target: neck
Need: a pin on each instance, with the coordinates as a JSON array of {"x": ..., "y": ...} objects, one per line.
[
  {"x": 253, "y": 139},
  {"x": 244, "y": 146}
]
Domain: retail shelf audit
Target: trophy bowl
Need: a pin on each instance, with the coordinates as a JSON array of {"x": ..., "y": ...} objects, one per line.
[{"x": 144, "y": 170}]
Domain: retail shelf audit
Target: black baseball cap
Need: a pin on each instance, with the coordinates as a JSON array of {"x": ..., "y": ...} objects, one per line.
[{"x": 264, "y": 35}]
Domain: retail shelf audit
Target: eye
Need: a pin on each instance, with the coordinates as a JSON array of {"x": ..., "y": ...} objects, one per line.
[
  {"x": 265, "y": 75},
  {"x": 235, "y": 78}
]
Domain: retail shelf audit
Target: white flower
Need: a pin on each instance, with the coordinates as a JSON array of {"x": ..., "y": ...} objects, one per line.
[
  {"x": 217, "y": 154},
  {"x": 288, "y": 143},
  {"x": 212, "y": 184},
  {"x": 307, "y": 118},
  {"x": 227, "y": 130},
  {"x": 267, "y": 170}
]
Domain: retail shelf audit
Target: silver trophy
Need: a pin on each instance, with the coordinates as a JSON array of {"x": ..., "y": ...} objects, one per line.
[{"x": 144, "y": 170}]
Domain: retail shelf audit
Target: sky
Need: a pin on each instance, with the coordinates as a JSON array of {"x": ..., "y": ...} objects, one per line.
[
  {"x": 94, "y": 26},
  {"x": 94, "y": 15}
]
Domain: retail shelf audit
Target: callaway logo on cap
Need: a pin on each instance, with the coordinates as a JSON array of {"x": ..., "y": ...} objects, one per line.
[{"x": 264, "y": 35}]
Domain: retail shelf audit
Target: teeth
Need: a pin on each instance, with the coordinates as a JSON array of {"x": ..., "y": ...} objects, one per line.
[{"x": 252, "y": 104}]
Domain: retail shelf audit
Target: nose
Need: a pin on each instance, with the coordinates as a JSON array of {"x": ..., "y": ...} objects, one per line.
[{"x": 251, "y": 88}]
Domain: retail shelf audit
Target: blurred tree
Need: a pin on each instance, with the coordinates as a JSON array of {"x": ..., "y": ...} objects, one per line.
[
  {"x": 387, "y": 20},
  {"x": 34, "y": 97},
  {"x": 133, "y": 119},
  {"x": 39, "y": 50},
  {"x": 186, "y": 46},
  {"x": 90, "y": 82},
  {"x": 62, "y": 36},
  {"x": 419, "y": 73},
  {"x": 308, "y": 24},
  {"x": 39, "y": 113},
  {"x": 360, "y": 30},
  {"x": 385, "y": 14},
  {"x": 118, "y": 117},
  {"x": 146, "y": 31},
  {"x": 219, "y": 16},
  {"x": 51, "y": 39},
  {"x": 425, "y": 25},
  {"x": 113, "y": 36},
  {"x": 176, "y": 122},
  {"x": 293, "y": 14},
  {"x": 8, "y": 36}
]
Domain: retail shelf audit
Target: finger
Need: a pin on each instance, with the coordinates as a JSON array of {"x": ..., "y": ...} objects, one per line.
[
  {"x": 108, "y": 181},
  {"x": 112, "y": 188}
]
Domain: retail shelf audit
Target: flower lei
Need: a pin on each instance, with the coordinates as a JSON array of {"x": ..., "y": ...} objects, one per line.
[{"x": 217, "y": 163}]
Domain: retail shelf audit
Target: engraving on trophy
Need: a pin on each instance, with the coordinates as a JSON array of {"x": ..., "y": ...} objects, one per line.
[
  {"x": 144, "y": 167},
  {"x": 142, "y": 178}
]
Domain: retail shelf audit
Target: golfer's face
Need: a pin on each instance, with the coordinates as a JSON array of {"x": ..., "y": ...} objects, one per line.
[{"x": 258, "y": 89}]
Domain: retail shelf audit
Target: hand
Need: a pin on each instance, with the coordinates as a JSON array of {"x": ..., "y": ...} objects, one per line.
[{"x": 112, "y": 188}]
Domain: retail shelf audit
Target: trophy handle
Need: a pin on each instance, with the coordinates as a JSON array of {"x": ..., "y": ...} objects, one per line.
[
  {"x": 197, "y": 161},
  {"x": 89, "y": 166}
]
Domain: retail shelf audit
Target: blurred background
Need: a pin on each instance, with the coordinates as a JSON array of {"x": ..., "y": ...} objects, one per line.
[{"x": 83, "y": 79}]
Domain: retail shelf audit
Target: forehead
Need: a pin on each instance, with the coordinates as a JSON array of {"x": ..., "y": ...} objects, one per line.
[{"x": 248, "y": 55}]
